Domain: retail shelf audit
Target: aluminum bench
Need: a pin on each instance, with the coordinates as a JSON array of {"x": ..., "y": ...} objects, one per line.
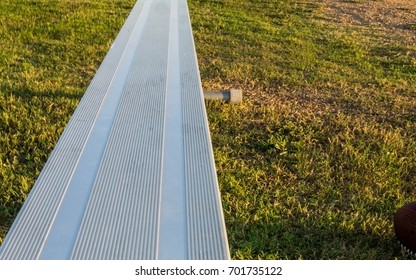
[{"x": 132, "y": 175}]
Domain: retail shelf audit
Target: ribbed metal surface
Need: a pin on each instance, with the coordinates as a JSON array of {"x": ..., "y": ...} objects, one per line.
[
  {"x": 207, "y": 235},
  {"x": 121, "y": 221},
  {"x": 133, "y": 175},
  {"x": 173, "y": 228}
]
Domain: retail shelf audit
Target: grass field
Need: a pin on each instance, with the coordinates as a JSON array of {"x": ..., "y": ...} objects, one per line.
[{"x": 313, "y": 164}]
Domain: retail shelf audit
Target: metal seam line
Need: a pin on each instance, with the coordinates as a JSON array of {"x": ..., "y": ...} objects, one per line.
[{"x": 173, "y": 241}]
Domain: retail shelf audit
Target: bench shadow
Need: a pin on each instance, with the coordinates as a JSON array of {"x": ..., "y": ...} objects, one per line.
[
  {"x": 308, "y": 239},
  {"x": 28, "y": 94}
]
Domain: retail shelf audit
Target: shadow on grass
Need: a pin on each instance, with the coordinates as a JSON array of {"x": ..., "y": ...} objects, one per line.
[
  {"x": 28, "y": 94},
  {"x": 307, "y": 238}
]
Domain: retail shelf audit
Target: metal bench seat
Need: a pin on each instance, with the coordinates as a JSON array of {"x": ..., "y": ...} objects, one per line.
[{"x": 133, "y": 175}]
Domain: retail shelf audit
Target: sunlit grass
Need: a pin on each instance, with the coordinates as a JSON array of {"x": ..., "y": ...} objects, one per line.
[
  {"x": 313, "y": 164},
  {"x": 316, "y": 161}
]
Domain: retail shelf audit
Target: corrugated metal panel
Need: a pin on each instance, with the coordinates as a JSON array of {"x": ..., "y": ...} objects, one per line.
[
  {"x": 133, "y": 175},
  {"x": 207, "y": 236}
]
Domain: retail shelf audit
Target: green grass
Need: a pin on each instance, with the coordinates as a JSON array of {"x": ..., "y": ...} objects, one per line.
[
  {"x": 313, "y": 164},
  {"x": 316, "y": 161}
]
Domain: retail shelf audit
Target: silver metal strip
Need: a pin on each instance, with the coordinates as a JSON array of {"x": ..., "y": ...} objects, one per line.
[
  {"x": 173, "y": 229},
  {"x": 62, "y": 234},
  {"x": 206, "y": 227},
  {"x": 122, "y": 218}
]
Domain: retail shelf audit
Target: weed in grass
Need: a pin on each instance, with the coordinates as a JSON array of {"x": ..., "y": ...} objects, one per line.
[{"x": 410, "y": 26}]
